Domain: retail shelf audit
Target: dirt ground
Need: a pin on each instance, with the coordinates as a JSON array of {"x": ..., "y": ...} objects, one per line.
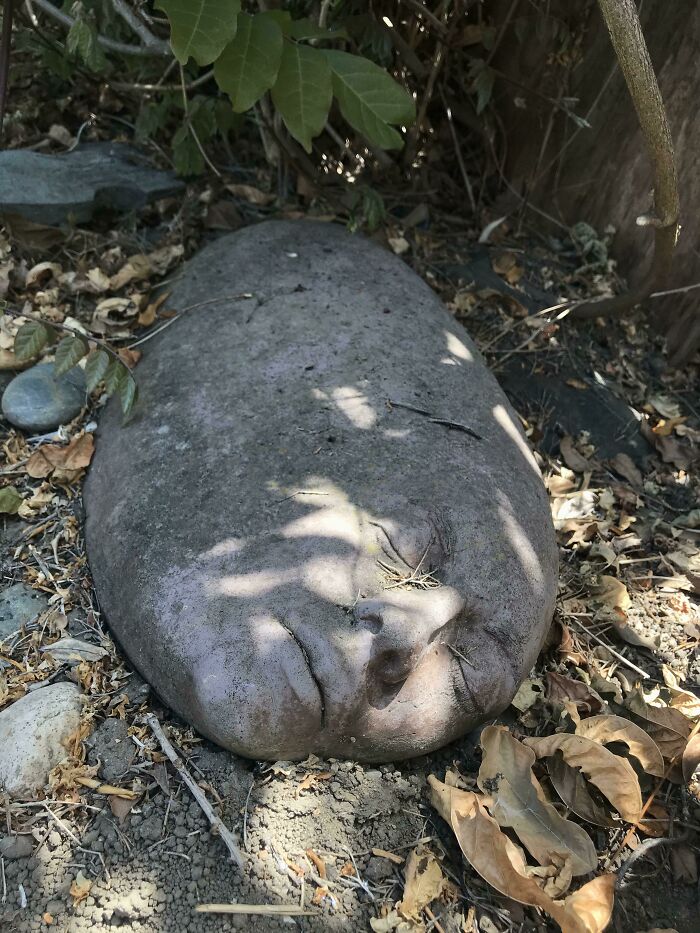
[{"x": 333, "y": 836}]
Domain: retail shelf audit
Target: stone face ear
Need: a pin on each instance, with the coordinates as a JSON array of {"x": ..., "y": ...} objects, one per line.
[{"x": 290, "y": 539}]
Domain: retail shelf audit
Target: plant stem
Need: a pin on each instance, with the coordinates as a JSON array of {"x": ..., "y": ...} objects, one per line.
[{"x": 5, "y": 49}]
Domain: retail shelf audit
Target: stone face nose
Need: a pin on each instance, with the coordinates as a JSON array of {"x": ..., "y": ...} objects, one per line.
[{"x": 404, "y": 623}]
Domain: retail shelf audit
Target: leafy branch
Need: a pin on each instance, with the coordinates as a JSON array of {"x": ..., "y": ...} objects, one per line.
[{"x": 103, "y": 364}]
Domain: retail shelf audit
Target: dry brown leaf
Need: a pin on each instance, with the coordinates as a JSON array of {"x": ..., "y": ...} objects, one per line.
[
  {"x": 520, "y": 803},
  {"x": 668, "y": 727},
  {"x": 121, "y": 807},
  {"x": 506, "y": 265},
  {"x": 607, "y": 729},
  {"x": 684, "y": 864},
  {"x": 656, "y": 821},
  {"x": 80, "y": 888},
  {"x": 251, "y": 194},
  {"x": 424, "y": 882},
  {"x": 129, "y": 357},
  {"x": 612, "y": 592},
  {"x": 148, "y": 316},
  {"x": 137, "y": 267},
  {"x": 501, "y": 864},
  {"x": 312, "y": 778},
  {"x": 613, "y": 776},
  {"x": 691, "y": 758},
  {"x": 686, "y": 702},
  {"x": 561, "y": 689},
  {"x": 318, "y": 862},
  {"x": 593, "y": 903},
  {"x": 571, "y": 786},
  {"x": 69, "y": 460},
  {"x": 572, "y": 458},
  {"x": 392, "y": 856},
  {"x": 42, "y": 273},
  {"x": 625, "y": 466},
  {"x": 529, "y": 692}
]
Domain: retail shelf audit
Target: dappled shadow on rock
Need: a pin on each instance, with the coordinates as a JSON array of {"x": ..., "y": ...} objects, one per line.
[{"x": 323, "y": 531}]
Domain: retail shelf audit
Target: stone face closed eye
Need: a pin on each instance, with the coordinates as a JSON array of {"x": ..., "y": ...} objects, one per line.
[{"x": 319, "y": 570}]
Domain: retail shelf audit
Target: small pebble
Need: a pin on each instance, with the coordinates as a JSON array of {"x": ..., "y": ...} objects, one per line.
[{"x": 37, "y": 400}]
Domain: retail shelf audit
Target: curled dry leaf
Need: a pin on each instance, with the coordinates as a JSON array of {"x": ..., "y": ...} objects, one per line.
[
  {"x": 608, "y": 729},
  {"x": 668, "y": 727},
  {"x": 691, "y": 758},
  {"x": 571, "y": 786},
  {"x": 613, "y": 776},
  {"x": 625, "y": 466},
  {"x": 612, "y": 592},
  {"x": 529, "y": 692},
  {"x": 80, "y": 888},
  {"x": 64, "y": 461},
  {"x": 424, "y": 882},
  {"x": 520, "y": 803},
  {"x": 572, "y": 458},
  {"x": 562, "y": 689},
  {"x": 501, "y": 864}
]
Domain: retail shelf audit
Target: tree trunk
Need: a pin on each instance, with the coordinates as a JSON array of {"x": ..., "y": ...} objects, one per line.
[{"x": 603, "y": 174}]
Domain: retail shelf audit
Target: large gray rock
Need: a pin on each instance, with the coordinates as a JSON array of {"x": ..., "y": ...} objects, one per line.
[
  {"x": 295, "y": 563},
  {"x": 38, "y": 400},
  {"x": 34, "y": 731},
  {"x": 71, "y": 186}
]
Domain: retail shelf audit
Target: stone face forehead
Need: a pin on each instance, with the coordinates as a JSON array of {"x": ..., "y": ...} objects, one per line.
[{"x": 323, "y": 492}]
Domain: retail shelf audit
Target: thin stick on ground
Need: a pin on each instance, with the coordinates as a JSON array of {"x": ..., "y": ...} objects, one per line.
[
  {"x": 179, "y": 765},
  {"x": 268, "y": 910}
]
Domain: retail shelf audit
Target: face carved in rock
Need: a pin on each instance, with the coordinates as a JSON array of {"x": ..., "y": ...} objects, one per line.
[
  {"x": 323, "y": 531},
  {"x": 351, "y": 628}
]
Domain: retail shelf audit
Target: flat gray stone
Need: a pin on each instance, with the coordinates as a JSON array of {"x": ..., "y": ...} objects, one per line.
[
  {"x": 293, "y": 562},
  {"x": 33, "y": 733},
  {"x": 111, "y": 747},
  {"x": 19, "y": 605},
  {"x": 71, "y": 186},
  {"x": 38, "y": 400}
]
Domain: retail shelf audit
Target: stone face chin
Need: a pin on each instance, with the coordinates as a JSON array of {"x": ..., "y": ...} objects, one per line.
[{"x": 295, "y": 540}]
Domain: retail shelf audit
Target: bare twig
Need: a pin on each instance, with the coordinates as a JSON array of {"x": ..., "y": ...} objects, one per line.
[
  {"x": 615, "y": 654},
  {"x": 5, "y": 49},
  {"x": 112, "y": 45},
  {"x": 190, "y": 127},
  {"x": 227, "y": 836},
  {"x": 150, "y": 42},
  {"x": 446, "y": 422},
  {"x": 265, "y": 910},
  {"x": 625, "y": 30}
]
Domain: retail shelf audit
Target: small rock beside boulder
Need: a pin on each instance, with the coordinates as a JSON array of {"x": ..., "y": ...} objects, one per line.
[
  {"x": 70, "y": 186},
  {"x": 19, "y": 605},
  {"x": 34, "y": 731},
  {"x": 38, "y": 400}
]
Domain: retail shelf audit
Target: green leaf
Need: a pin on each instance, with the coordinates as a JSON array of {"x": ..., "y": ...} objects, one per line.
[
  {"x": 483, "y": 85},
  {"x": 370, "y": 99},
  {"x": 307, "y": 29},
  {"x": 115, "y": 375},
  {"x": 248, "y": 66},
  {"x": 303, "y": 92},
  {"x": 200, "y": 28},
  {"x": 30, "y": 339},
  {"x": 187, "y": 157},
  {"x": 70, "y": 351},
  {"x": 95, "y": 368},
  {"x": 82, "y": 42},
  {"x": 128, "y": 394},
  {"x": 10, "y": 500}
]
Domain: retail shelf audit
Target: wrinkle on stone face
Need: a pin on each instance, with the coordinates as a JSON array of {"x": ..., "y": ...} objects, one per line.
[{"x": 295, "y": 565}]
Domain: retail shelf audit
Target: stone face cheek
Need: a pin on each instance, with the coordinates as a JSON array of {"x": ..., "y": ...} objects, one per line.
[{"x": 323, "y": 531}]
